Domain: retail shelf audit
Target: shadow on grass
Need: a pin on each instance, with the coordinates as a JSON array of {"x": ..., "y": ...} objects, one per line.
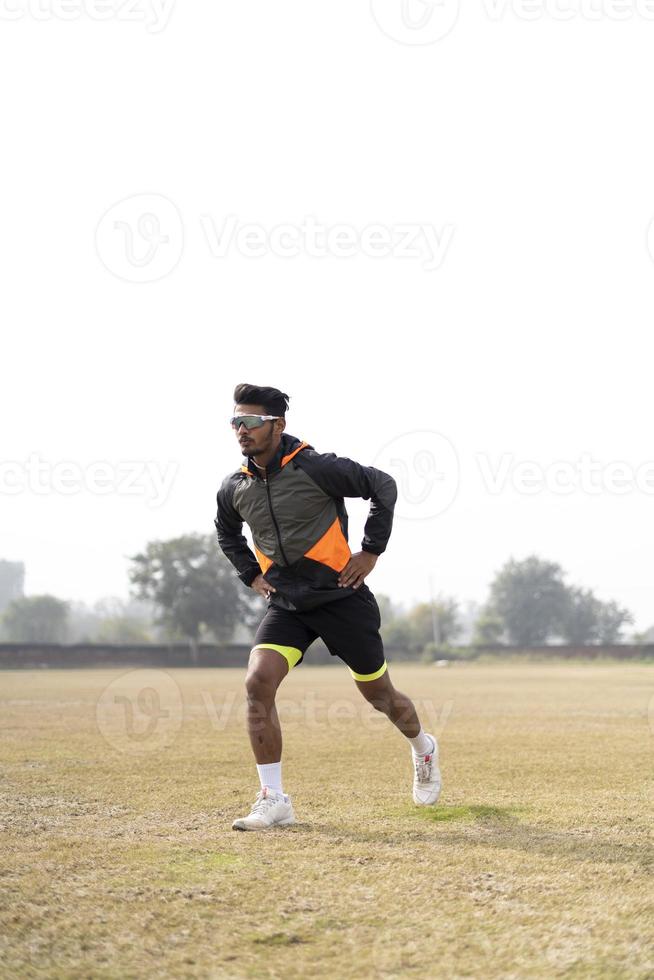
[
  {"x": 481, "y": 813},
  {"x": 575, "y": 844},
  {"x": 481, "y": 825}
]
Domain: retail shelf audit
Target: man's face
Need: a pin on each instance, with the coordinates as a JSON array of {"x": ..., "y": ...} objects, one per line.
[{"x": 254, "y": 442}]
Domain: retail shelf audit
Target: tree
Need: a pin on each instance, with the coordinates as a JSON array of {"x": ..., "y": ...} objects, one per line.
[
  {"x": 529, "y": 597},
  {"x": 421, "y": 625},
  {"x": 193, "y": 587},
  {"x": 612, "y": 618},
  {"x": 397, "y": 633},
  {"x": 112, "y": 619},
  {"x": 121, "y": 629},
  {"x": 444, "y": 615},
  {"x": 122, "y": 621},
  {"x": 36, "y": 619},
  {"x": 386, "y": 607},
  {"x": 588, "y": 620},
  {"x": 580, "y": 618},
  {"x": 533, "y": 603},
  {"x": 434, "y": 622},
  {"x": 488, "y": 628}
]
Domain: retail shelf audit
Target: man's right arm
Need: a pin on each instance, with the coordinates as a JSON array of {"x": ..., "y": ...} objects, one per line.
[{"x": 229, "y": 528}]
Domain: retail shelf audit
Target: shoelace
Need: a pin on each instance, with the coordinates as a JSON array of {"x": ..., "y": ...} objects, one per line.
[
  {"x": 423, "y": 768},
  {"x": 262, "y": 803}
]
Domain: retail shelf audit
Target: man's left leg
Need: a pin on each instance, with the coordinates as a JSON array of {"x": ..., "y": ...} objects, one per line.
[
  {"x": 377, "y": 688},
  {"x": 350, "y": 629}
]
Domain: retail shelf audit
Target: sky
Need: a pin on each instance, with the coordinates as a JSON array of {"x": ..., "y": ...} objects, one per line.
[{"x": 430, "y": 224}]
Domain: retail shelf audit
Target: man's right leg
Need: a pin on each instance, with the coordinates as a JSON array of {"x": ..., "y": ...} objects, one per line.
[
  {"x": 267, "y": 668},
  {"x": 268, "y": 665}
]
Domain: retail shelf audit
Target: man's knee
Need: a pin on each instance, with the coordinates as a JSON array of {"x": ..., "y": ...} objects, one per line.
[
  {"x": 266, "y": 670},
  {"x": 260, "y": 685},
  {"x": 379, "y": 696}
]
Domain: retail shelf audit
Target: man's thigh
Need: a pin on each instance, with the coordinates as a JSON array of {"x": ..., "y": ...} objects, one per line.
[
  {"x": 284, "y": 632},
  {"x": 349, "y": 628}
]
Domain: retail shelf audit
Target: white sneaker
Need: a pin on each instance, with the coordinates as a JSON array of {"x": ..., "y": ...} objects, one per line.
[
  {"x": 426, "y": 777},
  {"x": 270, "y": 809}
]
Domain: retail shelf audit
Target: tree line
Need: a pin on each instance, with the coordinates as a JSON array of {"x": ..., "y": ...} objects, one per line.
[{"x": 184, "y": 589}]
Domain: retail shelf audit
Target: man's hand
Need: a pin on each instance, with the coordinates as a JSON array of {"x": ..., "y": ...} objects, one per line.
[
  {"x": 356, "y": 569},
  {"x": 262, "y": 587}
]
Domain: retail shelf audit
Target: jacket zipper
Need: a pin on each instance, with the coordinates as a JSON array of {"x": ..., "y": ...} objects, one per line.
[{"x": 274, "y": 520}]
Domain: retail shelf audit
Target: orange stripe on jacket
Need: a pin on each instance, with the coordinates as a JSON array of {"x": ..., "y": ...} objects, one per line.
[
  {"x": 331, "y": 549},
  {"x": 264, "y": 561},
  {"x": 287, "y": 459}
]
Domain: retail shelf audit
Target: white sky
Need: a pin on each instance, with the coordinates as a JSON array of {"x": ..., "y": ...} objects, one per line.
[{"x": 524, "y": 147}]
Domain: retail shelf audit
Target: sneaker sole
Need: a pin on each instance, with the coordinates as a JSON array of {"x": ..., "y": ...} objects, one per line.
[
  {"x": 280, "y": 823},
  {"x": 431, "y": 803}
]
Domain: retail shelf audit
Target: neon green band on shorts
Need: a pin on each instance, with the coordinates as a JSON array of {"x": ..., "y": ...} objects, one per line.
[
  {"x": 369, "y": 677},
  {"x": 290, "y": 654}
]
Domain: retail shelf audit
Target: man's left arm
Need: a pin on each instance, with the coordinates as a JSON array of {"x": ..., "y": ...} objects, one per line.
[{"x": 342, "y": 477}]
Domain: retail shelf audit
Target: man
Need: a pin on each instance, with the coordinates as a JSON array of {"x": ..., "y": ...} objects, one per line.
[{"x": 292, "y": 499}]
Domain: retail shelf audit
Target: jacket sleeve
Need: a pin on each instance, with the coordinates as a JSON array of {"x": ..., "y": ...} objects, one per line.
[
  {"x": 229, "y": 528},
  {"x": 342, "y": 477}
]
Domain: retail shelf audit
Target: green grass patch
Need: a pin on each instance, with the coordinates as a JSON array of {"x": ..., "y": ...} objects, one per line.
[
  {"x": 481, "y": 813},
  {"x": 176, "y": 866}
]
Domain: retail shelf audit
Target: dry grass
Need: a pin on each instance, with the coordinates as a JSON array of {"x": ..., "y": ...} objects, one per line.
[{"x": 119, "y": 860}]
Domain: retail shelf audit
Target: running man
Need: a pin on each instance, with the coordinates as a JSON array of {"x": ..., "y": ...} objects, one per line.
[{"x": 291, "y": 497}]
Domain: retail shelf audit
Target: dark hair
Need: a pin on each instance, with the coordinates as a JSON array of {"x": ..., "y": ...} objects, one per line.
[{"x": 273, "y": 400}]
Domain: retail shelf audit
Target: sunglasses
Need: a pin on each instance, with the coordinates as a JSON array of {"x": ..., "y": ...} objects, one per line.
[{"x": 250, "y": 421}]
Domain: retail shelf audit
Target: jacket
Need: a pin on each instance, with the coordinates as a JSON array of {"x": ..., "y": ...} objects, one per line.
[{"x": 298, "y": 521}]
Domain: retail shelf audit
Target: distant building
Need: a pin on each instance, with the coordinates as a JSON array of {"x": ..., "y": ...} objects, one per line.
[{"x": 12, "y": 582}]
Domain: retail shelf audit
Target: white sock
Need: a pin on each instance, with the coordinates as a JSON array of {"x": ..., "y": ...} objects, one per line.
[
  {"x": 422, "y": 744},
  {"x": 270, "y": 775}
]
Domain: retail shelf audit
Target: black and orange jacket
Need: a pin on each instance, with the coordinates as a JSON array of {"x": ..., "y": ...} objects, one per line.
[{"x": 298, "y": 521}]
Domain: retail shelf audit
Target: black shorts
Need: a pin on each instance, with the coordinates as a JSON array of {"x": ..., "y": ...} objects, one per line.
[{"x": 348, "y": 627}]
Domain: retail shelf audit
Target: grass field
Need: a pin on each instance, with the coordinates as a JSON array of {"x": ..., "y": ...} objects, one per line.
[{"x": 118, "y": 861}]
